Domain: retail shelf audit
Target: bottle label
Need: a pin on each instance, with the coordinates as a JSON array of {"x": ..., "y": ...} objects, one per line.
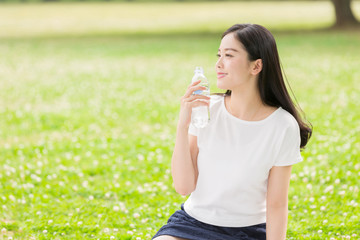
[{"x": 197, "y": 92}]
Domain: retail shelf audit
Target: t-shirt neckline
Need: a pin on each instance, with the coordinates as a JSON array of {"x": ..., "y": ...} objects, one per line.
[{"x": 245, "y": 121}]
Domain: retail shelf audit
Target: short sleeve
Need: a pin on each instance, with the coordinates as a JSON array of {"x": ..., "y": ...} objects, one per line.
[
  {"x": 289, "y": 151},
  {"x": 193, "y": 130}
]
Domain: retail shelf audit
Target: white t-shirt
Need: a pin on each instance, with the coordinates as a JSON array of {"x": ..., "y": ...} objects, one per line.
[{"x": 235, "y": 157}]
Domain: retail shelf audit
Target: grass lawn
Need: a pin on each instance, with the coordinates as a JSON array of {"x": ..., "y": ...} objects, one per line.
[
  {"x": 109, "y": 18},
  {"x": 87, "y": 125}
]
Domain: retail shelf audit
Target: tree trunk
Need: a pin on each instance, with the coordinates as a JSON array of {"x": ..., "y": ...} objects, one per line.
[{"x": 344, "y": 15}]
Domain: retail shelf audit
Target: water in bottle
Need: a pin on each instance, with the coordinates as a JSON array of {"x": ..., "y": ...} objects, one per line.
[{"x": 200, "y": 116}]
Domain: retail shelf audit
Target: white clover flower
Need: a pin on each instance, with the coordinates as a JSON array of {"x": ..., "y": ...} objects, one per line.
[
  {"x": 329, "y": 188},
  {"x": 140, "y": 157},
  {"x": 79, "y": 223},
  {"x": 50, "y": 221},
  {"x": 320, "y": 231},
  {"x": 136, "y": 215},
  {"x": 3, "y": 231},
  {"x": 116, "y": 208},
  {"x": 106, "y": 230},
  {"x": 337, "y": 181},
  {"x": 45, "y": 231},
  {"x": 130, "y": 232},
  {"x": 91, "y": 197},
  {"x": 322, "y": 208},
  {"x": 325, "y": 221},
  {"x": 12, "y": 198}
]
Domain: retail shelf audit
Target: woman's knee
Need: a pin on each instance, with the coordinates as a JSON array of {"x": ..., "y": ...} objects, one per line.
[{"x": 167, "y": 237}]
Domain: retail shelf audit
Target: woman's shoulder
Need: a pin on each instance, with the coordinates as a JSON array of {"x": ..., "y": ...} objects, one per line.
[
  {"x": 216, "y": 100},
  {"x": 286, "y": 120}
]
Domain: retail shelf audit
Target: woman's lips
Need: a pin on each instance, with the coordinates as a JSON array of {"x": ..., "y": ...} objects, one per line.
[{"x": 221, "y": 75}]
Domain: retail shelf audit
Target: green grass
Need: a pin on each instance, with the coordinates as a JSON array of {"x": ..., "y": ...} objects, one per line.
[
  {"x": 87, "y": 127},
  {"x": 57, "y": 19}
]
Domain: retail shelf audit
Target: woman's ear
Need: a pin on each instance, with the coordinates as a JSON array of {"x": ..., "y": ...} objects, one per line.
[{"x": 257, "y": 66}]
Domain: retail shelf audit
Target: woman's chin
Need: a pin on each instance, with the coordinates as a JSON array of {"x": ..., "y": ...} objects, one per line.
[{"x": 220, "y": 85}]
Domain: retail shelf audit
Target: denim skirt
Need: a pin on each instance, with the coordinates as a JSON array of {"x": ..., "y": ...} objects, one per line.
[{"x": 182, "y": 225}]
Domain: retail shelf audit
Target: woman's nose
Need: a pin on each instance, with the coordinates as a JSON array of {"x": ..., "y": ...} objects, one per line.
[{"x": 218, "y": 64}]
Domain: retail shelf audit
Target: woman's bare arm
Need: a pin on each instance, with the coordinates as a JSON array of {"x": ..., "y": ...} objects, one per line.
[
  {"x": 184, "y": 159},
  {"x": 277, "y": 203}
]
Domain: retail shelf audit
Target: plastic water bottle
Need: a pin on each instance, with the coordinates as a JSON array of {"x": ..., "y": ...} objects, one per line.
[{"x": 200, "y": 115}]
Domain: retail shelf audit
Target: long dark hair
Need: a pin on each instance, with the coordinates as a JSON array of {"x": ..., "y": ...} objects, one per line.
[{"x": 260, "y": 44}]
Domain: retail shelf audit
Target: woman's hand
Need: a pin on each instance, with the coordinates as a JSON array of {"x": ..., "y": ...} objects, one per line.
[{"x": 188, "y": 101}]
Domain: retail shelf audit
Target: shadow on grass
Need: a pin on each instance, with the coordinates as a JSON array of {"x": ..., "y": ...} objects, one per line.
[{"x": 181, "y": 34}]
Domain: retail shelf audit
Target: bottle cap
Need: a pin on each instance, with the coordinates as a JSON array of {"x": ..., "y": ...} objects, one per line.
[{"x": 199, "y": 70}]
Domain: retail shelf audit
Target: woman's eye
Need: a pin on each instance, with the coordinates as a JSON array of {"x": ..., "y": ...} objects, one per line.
[{"x": 226, "y": 55}]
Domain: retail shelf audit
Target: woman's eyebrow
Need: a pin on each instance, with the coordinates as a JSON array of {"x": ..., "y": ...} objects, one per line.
[{"x": 231, "y": 49}]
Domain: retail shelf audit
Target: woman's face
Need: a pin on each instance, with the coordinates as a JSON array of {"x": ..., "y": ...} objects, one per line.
[{"x": 233, "y": 65}]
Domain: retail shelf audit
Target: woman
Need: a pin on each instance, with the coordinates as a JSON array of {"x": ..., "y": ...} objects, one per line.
[{"x": 238, "y": 167}]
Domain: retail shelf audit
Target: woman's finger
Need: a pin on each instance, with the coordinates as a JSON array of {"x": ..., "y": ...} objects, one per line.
[
  {"x": 196, "y": 97},
  {"x": 193, "y": 89},
  {"x": 194, "y": 83},
  {"x": 199, "y": 103}
]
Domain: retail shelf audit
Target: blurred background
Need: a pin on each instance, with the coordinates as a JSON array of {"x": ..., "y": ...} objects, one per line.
[{"x": 90, "y": 94}]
